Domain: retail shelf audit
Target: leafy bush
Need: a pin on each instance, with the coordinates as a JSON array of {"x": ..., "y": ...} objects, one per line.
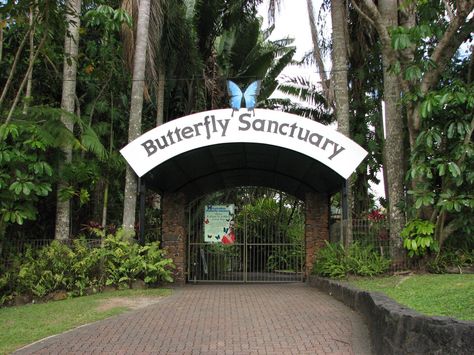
[
  {"x": 156, "y": 267},
  {"x": 365, "y": 261},
  {"x": 122, "y": 262},
  {"x": 79, "y": 269},
  {"x": 46, "y": 271},
  {"x": 87, "y": 268},
  {"x": 418, "y": 237},
  {"x": 337, "y": 262},
  {"x": 450, "y": 258},
  {"x": 125, "y": 261},
  {"x": 331, "y": 261}
]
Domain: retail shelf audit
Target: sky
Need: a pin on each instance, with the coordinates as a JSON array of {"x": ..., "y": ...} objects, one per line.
[{"x": 292, "y": 22}]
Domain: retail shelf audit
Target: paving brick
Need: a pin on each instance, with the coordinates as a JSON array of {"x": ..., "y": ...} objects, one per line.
[{"x": 223, "y": 319}]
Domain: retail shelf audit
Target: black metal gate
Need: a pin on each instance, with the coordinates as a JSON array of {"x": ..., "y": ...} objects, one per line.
[{"x": 261, "y": 252}]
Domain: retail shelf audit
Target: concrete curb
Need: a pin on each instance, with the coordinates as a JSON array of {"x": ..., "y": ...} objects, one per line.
[{"x": 395, "y": 329}]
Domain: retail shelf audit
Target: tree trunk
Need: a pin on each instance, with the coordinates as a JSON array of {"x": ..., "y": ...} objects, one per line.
[
  {"x": 71, "y": 48},
  {"x": 1, "y": 38},
  {"x": 136, "y": 106},
  {"x": 341, "y": 91},
  {"x": 317, "y": 55},
  {"x": 13, "y": 68},
  {"x": 160, "y": 96},
  {"x": 25, "y": 79},
  {"x": 394, "y": 142},
  {"x": 29, "y": 84}
]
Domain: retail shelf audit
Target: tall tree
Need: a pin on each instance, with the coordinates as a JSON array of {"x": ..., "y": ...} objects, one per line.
[
  {"x": 339, "y": 19},
  {"x": 394, "y": 141},
  {"x": 136, "y": 107},
  {"x": 412, "y": 66},
  {"x": 155, "y": 69},
  {"x": 71, "y": 49}
]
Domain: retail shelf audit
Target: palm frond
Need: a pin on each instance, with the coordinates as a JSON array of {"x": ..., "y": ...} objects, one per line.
[
  {"x": 287, "y": 105},
  {"x": 302, "y": 89},
  {"x": 268, "y": 32},
  {"x": 91, "y": 142},
  {"x": 270, "y": 83}
]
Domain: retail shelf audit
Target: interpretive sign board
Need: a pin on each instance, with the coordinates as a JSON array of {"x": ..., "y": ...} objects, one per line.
[{"x": 219, "y": 224}]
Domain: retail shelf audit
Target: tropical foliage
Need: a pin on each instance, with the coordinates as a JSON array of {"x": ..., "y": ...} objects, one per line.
[
  {"x": 60, "y": 162},
  {"x": 79, "y": 268},
  {"x": 336, "y": 261}
]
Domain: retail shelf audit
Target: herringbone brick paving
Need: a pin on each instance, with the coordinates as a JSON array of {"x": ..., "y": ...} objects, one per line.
[{"x": 223, "y": 319}]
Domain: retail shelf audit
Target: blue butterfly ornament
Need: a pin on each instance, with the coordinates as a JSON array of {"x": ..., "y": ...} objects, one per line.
[{"x": 250, "y": 95}]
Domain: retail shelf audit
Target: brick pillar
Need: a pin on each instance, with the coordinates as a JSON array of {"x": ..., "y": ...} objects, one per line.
[
  {"x": 316, "y": 225},
  {"x": 174, "y": 232}
]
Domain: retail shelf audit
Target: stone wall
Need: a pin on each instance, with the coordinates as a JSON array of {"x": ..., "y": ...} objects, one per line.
[
  {"x": 395, "y": 329},
  {"x": 174, "y": 232},
  {"x": 316, "y": 225}
]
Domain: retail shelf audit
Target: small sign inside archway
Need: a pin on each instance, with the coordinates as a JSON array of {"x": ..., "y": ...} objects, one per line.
[{"x": 219, "y": 224}]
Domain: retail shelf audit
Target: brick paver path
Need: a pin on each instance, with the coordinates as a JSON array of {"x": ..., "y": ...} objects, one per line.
[{"x": 223, "y": 319}]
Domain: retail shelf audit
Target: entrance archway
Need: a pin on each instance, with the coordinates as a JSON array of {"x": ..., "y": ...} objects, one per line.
[{"x": 214, "y": 150}]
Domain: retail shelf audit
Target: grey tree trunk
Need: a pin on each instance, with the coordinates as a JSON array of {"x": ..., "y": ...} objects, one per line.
[
  {"x": 29, "y": 84},
  {"x": 394, "y": 142},
  {"x": 341, "y": 91},
  {"x": 71, "y": 48},
  {"x": 160, "y": 96},
  {"x": 136, "y": 106}
]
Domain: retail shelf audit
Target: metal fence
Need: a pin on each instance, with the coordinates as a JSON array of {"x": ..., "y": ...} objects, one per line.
[{"x": 261, "y": 252}]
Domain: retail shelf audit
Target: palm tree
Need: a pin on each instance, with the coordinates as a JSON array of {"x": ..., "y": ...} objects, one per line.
[
  {"x": 339, "y": 19},
  {"x": 136, "y": 106},
  {"x": 71, "y": 48}
]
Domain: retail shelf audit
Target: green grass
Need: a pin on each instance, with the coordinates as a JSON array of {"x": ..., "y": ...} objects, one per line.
[
  {"x": 436, "y": 295},
  {"x": 23, "y": 325}
]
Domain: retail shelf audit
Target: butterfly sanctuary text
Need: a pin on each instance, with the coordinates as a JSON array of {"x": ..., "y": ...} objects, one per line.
[{"x": 211, "y": 126}]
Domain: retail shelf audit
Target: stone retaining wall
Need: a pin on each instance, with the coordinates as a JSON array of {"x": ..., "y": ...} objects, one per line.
[{"x": 395, "y": 329}]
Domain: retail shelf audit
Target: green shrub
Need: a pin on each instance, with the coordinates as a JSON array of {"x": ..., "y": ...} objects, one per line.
[
  {"x": 418, "y": 237},
  {"x": 450, "y": 258},
  {"x": 79, "y": 269},
  {"x": 122, "y": 261},
  {"x": 87, "y": 269},
  {"x": 125, "y": 261},
  {"x": 337, "y": 262},
  {"x": 156, "y": 267},
  {"x": 365, "y": 261},
  {"x": 46, "y": 271},
  {"x": 330, "y": 261}
]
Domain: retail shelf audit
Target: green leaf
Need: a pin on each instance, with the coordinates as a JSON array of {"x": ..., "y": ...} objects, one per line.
[
  {"x": 454, "y": 169},
  {"x": 84, "y": 196},
  {"x": 451, "y": 127},
  {"x": 418, "y": 203}
]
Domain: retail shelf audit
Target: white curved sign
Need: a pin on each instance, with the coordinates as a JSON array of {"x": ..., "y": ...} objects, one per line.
[{"x": 276, "y": 128}]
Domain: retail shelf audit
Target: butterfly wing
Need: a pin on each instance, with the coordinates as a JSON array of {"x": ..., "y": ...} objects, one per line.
[
  {"x": 251, "y": 93},
  {"x": 235, "y": 95}
]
